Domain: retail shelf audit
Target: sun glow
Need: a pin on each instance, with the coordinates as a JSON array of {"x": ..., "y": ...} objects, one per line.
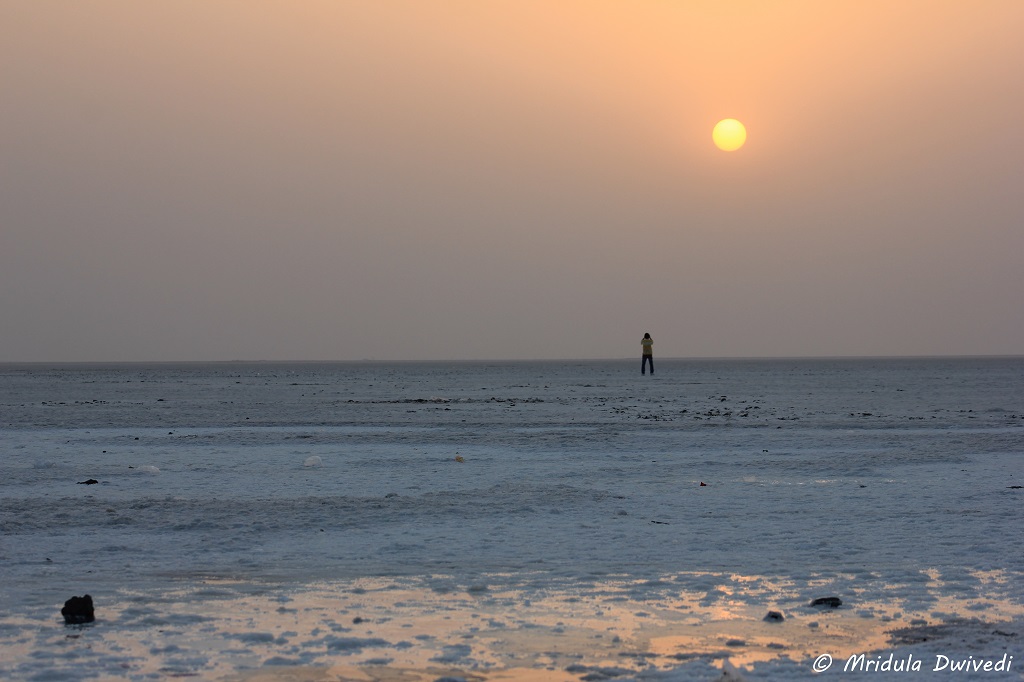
[{"x": 729, "y": 134}]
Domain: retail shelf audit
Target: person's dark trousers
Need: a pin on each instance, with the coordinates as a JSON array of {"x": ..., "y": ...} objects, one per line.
[{"x": 647, "y": 360}]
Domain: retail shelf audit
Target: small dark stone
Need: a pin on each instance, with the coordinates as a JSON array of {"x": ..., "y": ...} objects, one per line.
[
  {"x": 774, "y": 617},
  {"x": 830, "y": 602},
  {"x": 91, "y": 481},
  {"x": 78, "y": 610}
]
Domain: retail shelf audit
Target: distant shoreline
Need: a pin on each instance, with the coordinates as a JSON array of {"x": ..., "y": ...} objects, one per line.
[{"x": 698, "y": 359}]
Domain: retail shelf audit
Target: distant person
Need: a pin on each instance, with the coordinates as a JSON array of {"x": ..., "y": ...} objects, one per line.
[{"x": 647, "y": 343}]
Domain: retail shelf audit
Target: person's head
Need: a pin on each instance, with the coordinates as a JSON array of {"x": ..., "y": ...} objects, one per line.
[{"x": 647, "y": 336}]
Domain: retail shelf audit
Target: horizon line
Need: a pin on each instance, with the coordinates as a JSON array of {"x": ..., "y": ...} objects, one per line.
[{"x": 379, "y": 361}]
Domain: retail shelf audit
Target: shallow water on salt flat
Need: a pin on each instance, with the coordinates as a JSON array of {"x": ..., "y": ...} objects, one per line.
[{"x": 869, "y": 475}]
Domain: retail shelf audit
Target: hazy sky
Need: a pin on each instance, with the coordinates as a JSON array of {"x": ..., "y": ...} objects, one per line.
[{"x": 458, "y": 179}]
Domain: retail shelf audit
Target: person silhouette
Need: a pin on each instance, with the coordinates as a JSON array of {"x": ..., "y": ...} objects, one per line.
[{"x": 647, "y": 343}]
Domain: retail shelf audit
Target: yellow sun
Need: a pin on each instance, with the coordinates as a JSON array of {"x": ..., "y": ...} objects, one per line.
[{"x": 729, "y": 134}]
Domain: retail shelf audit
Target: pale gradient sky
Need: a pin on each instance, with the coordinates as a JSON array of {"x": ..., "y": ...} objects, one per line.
[{"x": 442, "y": 179}]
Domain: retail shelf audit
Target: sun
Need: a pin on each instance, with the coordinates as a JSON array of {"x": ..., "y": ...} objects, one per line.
[{"x": 729, "y": 134}]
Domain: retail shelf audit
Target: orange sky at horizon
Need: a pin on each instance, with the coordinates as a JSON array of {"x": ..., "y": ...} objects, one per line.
[{"x": 456, "y": 179}]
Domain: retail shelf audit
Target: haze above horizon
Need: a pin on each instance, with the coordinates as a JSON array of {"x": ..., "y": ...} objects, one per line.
[{"x": 453, "y": 180}]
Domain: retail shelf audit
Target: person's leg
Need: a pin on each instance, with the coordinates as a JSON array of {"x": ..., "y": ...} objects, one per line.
[
  {"x": 643, "y": 364},
  {"x": 650, "y": 362}
]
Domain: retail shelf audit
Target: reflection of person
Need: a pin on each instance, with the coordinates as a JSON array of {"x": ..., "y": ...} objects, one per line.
[{"x": 647, "y": 343}]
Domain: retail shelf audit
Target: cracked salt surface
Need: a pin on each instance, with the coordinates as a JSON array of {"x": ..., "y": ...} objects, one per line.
[{"x": 509, "y": 520}]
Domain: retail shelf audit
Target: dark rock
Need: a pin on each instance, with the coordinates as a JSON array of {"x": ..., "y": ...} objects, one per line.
[
  {"x": 829, "y": 602},
  {"x": 91, "y": 481},
  {"x": 78, "y": 610},
  {"x": 774, "y": 617}
]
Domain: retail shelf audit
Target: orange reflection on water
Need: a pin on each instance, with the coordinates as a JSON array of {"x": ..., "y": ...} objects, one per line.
[{"x": 503, "y": 627}]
